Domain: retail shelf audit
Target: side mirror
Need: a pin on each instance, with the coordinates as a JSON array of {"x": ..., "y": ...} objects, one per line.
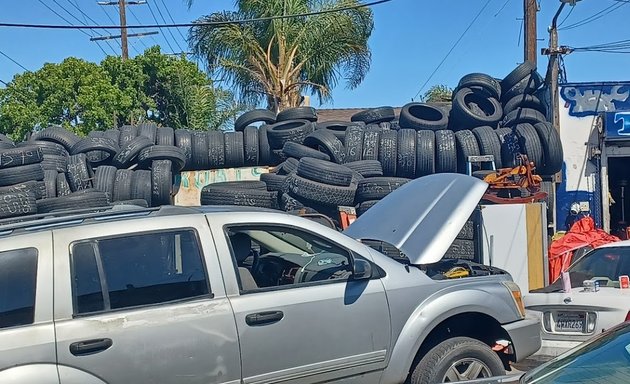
[{"x": 361, "y": 269}]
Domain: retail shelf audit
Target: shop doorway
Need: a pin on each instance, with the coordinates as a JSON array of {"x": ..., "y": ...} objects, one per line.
[{"x": 619, "y": 189}]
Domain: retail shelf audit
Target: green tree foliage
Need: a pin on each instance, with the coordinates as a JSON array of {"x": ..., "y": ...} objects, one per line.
[
  {"x": 278, "y": 60},
  {"x": 83, "y": 96},
  {"x": 438, "y": 93}
]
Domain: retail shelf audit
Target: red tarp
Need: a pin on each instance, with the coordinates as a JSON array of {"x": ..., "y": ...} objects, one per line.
[{"x": 582, "y": 233}]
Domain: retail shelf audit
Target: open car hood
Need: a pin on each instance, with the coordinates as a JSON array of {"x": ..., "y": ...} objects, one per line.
[{"x": 423, "y": 217}]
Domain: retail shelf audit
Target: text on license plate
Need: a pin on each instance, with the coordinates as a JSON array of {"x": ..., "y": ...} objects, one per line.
[{"x": 570, "y": 322}]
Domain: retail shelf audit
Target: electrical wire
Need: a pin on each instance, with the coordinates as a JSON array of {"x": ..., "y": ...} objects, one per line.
[
  {"x": 170, "y": 16},
  {"x": 133, "y": 14},
  {"x": 195, "y": 24},
  {"x": 160, "y": 28},
  {"x": 567, "y": 16},
  {"x": 13, "y": 60},
  {"x": 75, "y": 4},
  {"x": 159, "y": 9},
  {"x": 596, "y": 16},
  {"x": 82, "y": 22},
  {"x": 474, "y": 20}
]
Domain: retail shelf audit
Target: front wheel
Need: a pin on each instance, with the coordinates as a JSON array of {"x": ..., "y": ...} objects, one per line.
[{"x": 457, "y": 359}]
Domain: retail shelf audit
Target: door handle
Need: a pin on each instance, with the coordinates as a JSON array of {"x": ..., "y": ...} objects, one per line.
[
  {"x": 88, "y": 347},
  {"x": 264, "y": 318}
]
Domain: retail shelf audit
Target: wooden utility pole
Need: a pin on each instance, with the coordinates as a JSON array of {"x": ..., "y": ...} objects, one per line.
[
  {"x": 530, "y": 9},
  {"x": 123, "y": 29}
]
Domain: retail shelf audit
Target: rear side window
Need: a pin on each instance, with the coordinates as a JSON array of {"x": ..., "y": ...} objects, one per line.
[
  {"x": 142, "y": 269},
  {"x": 18, "y": 282}
]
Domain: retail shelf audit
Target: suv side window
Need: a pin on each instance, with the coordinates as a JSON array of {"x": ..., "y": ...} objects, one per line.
[
  {"x": 18, "y": 283},
  {"x": 141, "y": 269},
  {"x": 271, "y": 256}
]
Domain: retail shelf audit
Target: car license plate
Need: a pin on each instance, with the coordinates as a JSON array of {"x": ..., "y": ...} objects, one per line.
[{"x": 570, "y": 322}]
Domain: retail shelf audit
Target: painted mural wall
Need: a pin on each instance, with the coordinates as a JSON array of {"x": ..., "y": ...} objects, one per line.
[{"x": 580, "y": 105}]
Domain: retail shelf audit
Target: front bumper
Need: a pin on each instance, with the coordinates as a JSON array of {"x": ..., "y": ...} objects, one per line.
[{"x": 525, "y": 337}]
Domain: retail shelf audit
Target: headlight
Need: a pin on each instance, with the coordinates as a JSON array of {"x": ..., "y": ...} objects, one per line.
[{"x": 515, "y": 291}]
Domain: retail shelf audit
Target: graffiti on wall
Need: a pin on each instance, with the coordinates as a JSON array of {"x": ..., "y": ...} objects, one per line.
[{"x": 590, "y": 99}]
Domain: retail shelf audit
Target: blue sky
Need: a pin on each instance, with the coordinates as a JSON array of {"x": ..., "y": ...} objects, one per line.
[{"x": 410, "y": 39}]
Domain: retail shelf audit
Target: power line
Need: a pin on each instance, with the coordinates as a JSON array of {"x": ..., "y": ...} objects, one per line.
[
  {"x": 160, "y": 28},
  {"x": 133, "y": 14},
  {"x": 164, "y": 20},
  {"x": 195, "y": 24},
  {"x": 13, "y": 60},
  {"x": 170, "y": 16},
  {"x": 596, "y": 16},
  {"x": 474, "y": 20},
  {"x": 566, "y": 17}
]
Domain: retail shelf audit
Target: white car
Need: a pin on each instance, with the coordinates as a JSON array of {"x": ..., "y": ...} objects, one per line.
[{"x": 570, "y": 318}]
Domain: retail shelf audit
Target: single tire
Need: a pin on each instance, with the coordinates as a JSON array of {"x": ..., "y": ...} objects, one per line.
[
  {"x": 213, "y": 194},
  {"x": 406, "y": 165},
  {"x": 165, "y": 136},
  {"x": 423, "y": 116},
  {"x": 264, "y": 149},
  {"x": 461, "y": 249},
  {"x": 21, "y": 174},
  {"x": 288, "y": 166},
  {"x": 374, "y": 115},
  {"x": 474, "y": 108},
  {"x": 388, "y": 152},
  {"x": 523, "y": 116},
  {"x": 241, "y": 184},
  {"x": 509, "y": 146},
  {"x": 324, "y": 172},
  {"x": 445, "y": 152},
  {"x": 161, "y": 182},
  {"x": 141, "y": 181},
  {"x": 122, "y": 185},
  {"x": 138, "y": 202},
  {"x": 15, "y": 157},
  {"x": 319, "y": 193},
  {"x": 80, "y": 173},
  {"x": 524, "y": 101},
  {"x": 216, "y": 149},
  {"x": 437, "y": 365},
  {"x": 234, "y": 150},
  {"x": 102, "y": 144},
  {"x": 425, "y": 153},
  {"x": 148, "y": 130},
  {"x": 530, "y": 143},
  {"x": 257, "y": 115},
  {"x": 84, "y": 199},
  {"x": 298, "y": 151},
  {"x": 297, "y": 113},
  {"x": 183, "y": 140},
  {"x": 162, "y": 152},
  {"x": 250, "y": 145},
  {"x": 552, "y": 149},
  {"x": 47, "y": 147},
  {"x": 364, "y": 206},
  {"x": 17, "y": 204},
  {"x": 466, "y": 144},
  {"x": 489, "y": 143},
  {"x": 105, "y": 179},
  {"x": 274, "y": 182},
  {"x": 127, "y": 133},
  {"x": 50, "y": 180},
  {"x": 95, "y": 157},
  {"x": 57, "y": 135},
  {"x": 127, "y": 154},
  {"x": 328, "y": 143},
  {"x": 366, "y": 168},
  {"x": 292, "y": 130},
  {"x": 6, "y": 145},
  {"x": 519, "y": 73},
  {"x": 376, "y": 188},
  {"x": 113, "y": 134},
  {"x": 371, "y": 144},
  {"x": 200, "y": 155},
  {"x": 55, "y": 163},
  {"x": 528, "y": 86},
  {"x": 354, "y": 143},
  {"x": 289, "y": 203},
  {"x": 63, "y": 187},
  {"x": 486, "y": 82}
]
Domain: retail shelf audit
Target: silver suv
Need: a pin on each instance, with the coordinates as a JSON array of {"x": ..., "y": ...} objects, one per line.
[{"x": 237, "y": 295}]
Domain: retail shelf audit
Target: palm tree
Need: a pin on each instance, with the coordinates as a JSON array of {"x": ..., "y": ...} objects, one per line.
[{"x": 278, "y": 60}]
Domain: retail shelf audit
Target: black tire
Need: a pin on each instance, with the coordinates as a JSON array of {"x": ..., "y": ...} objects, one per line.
[
  {"x": 288, "y": 166},
  {"x": 524, "y": 101},
  {"x": 80, "y": 173},
  {"x": 354, "y": 143},
  {"x": 241, "y": 184},
  {"x": 434, "y": 364},
  {"x": 327, "y": 142},
  {"x": 483, "y": 81},
  {"x": 234, "y": 150},
  {"x": 95, "y": 157},
  {"x": 257, "y": 115},
  {"x": 388, "y": 152},
  {"x": 21, "y": 174},
  {"x": 366, "y": 168},
  {"x": 319, "y": 193},
  {"x": 122, "y": 185},
  {"x": 425, "y": 153},
  {"x": 161, "y": 183},
  {"x": 324, "y": 172},
  {"x": 200, "y": 155},
  {"x": 63, "y": 187},
  {"x": 113, "y": 134},
  {"x": 141, "y": 181},
  {"x": 274, "y": 182},
  {"x": 55, "y": 163},
  {"x": 466, "y": 144},
  {"x": 530, "y": 143},
  {"x": 165, "y": 136},
  {"x": 519, "y": 73},
  {"x": 299, "y": 151},
  {"x": 89, "y": 144},
  {"x": 289, "y": 203},
  {"x": 376, "y": 188},
  {"x": 553, "y": 154},
  {"x": 50, "y": 181},
  {"x": 138, "y": 202},
  {"x": 445, "y": 152},
  {"x": 216, "y": 149},
  {"x": 371, "y": 144},
  {"x": 489, "y": 143},
  {"x": 127, "y": 154},
  {"x": 14, "y": 157},
  {"x": 183, "y": 140},
  {"x": 105, "y": 179},
  {"x": 473, "y": 108},
  {"x": 406, "y": 159},
  {"x": 528, "y": 85},
  {"x": 17, "y": 204},
  {"x": 216, "y": 194},
  {"x": 523, "y": 116},
  {"x": 297, "y": 113},
  {"x": 364, "y": 206},
  {"x": 292, "y": 130},
  {"x": 162, "y": 152},
  {"x": 509, "y": 146},
  {"x": 57, "y": 135},
  {"x": 461, "y": 249},
  {"x": 263, "y": 146},
  {"x": 423, "y": 116},
  {"x": 148, "y": 130},
  {"x": 6, "y": 145},
  {"x": 374, "y": 115},
  {"x": 47, "y": 147},
  {"x": 250, "y": 145},
  {"x": 83, "y": 199},
  {"x": 127, "y": 133}
]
